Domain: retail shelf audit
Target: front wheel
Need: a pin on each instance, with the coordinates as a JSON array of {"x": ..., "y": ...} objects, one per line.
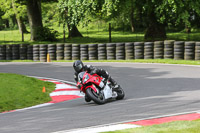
[
  {"x": 97, "y": 98},
  {"x": 120, "y": 93}
]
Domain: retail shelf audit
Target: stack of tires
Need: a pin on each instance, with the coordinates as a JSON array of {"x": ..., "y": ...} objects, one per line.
[
  {"x": 169, "y": 49},
  {"x": 197, "y": 51},
  {"x": 158, "y": 50},
  {"x": 84, "y": 51},
  {"x": 111, "y": 49},
  {"x": 15, "y": 51},
  {"x": 59, "y": 51},
  {"x": 148, "y": 50},
  {"x": 102, "y": 52},
  {"x": 43, "y": 52},
  {"x": 68, "y": 51},
  {"x": 8, "y": 52},
  {"x": 23, "y": 51},
  {"x": 139, "y": 50},
  {"x": 30, "y": 52},
  {"x": 189, "y": 51},
  {"x": 36, "y": 53},
  {"x": 92, "y": 50},
  {"x": 75, "y": 51},
  {"x": 2, "y": 52},
  {"x": 178, "y": 50},
  {"x": 52, "y": 51},
  {"x": 129, "y": 51},
  {"x": 120, "y": 51}
]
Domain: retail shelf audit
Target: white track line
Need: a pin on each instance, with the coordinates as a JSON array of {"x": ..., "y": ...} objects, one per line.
[
  {"x": 117, "y": 125},
  {"x": 58, "y": 93},
  {"x": 64, "y": 86},
  {"x": 99, "y": 129},
  {"x": 68, "y": 82}
]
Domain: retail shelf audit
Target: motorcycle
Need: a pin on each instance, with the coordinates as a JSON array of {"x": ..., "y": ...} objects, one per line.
[{"x": 97, "y": 89}]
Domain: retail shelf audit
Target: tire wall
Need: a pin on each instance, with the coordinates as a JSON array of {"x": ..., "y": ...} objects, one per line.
[
  {"x": 84, "y": 52},
  {"x": 60, "y": 51},
  {"x": 43, "y": 52},
  {"x": 139, "y": 50},
  {"x": 168, "y": 49},
  {"x": 2, "y": 52},
  {"x": 120, "y": 51},
  {"x": 93, "y": 51},
  {"x": 158, "y": 50},
  {"x": 148, "y": 50},
  {"x": 129, "y": 51},
  {"x": 68, "y": 52},
  {"x": 111, "y": 51},
  {"x": 179, "y": 50},
  {"x": 102, "y": 54},
  {"x": 51, "y": 50},
  {"x": 75, "y": 51},
  {"x": 197, "y": 51}
]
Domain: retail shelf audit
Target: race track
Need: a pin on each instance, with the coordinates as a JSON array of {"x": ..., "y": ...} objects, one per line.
[{"x": 151, "y": 90}]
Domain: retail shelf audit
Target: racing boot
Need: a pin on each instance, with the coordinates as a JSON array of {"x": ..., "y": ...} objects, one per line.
[{"x": 114, "y": 83}]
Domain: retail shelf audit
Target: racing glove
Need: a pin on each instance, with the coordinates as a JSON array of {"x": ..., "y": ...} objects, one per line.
[{"x": 93, "y": 72}]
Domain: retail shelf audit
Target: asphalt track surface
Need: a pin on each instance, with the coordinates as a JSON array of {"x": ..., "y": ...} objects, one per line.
[{"x": 151, "y": 90}]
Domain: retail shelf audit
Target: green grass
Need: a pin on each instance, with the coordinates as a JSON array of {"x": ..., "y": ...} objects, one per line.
[
  {"x": 93, "y": 36},
  {"x": 171, "y": 127},
  {"x": 18, "y": 91},
  {"x": 163, "y": 61}
]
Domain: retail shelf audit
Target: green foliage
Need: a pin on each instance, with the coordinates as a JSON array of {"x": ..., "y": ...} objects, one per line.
[
  {"x": 46, "y": 34},
  {"x": 9, "y": 11},
  {"x": 50, "y": 14},
  {"x": 74, "y": 11}
]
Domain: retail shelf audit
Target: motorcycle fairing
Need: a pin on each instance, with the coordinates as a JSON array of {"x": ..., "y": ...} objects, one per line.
[{"x": 107, "y": 92}]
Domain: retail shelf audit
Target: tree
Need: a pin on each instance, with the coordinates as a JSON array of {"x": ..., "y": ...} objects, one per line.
[
  {"x": 19, "y": 18},
  {"x": 38, "y": 32},
  {"x": 160, "y": 14},
  {"x": 75, "y": 11},
  {"x": 35, "y": 18},
  {"x": 12, "y": 8},
  {"x": 66, "y": 18}
]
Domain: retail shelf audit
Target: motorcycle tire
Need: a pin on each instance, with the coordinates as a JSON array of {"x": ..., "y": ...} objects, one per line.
[
  {"x": 95, "y": 97},
  {"x": 120, "y": 94}
]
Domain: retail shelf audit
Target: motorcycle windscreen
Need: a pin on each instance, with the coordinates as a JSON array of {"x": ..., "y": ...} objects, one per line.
[
  {"x": 80, "y": 77},
  {"x": 107, "y": 92}
]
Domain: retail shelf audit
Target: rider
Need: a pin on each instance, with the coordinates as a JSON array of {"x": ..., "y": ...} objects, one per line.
[{"x": 79, "y": 67}]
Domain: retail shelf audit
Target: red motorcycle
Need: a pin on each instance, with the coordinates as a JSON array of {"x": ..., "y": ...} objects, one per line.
[{"x": 97, "y": 89}]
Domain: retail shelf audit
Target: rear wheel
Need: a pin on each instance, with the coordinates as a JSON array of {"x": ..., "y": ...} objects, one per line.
[{"x": 97, "y": 98}]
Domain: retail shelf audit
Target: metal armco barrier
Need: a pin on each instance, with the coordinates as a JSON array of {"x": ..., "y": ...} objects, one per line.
[{"x": 168, "y": 49}]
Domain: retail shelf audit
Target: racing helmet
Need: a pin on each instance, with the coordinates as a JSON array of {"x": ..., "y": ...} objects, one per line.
[{"x": 78, "y": 66}]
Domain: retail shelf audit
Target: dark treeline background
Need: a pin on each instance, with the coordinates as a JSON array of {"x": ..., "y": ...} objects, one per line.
[{"x": 153, "y": 17}]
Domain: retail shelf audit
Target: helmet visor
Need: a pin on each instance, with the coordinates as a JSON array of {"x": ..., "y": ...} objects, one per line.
[{"x": 78, "y": 68}]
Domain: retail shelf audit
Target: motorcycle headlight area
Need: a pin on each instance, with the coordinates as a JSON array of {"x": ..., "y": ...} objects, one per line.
[{"x": 86, "y": 79}]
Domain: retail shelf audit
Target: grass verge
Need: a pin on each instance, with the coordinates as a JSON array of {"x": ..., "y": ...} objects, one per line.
[
  {"x": 171, "y": 127},
  {"x": 163, "y": 61},
  {"x": 18, "y": 91},
  {"x": 92, "y": 36}
]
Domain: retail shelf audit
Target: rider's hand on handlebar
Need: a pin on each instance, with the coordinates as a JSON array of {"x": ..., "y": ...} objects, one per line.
[{"x": 93, "y": 72}]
